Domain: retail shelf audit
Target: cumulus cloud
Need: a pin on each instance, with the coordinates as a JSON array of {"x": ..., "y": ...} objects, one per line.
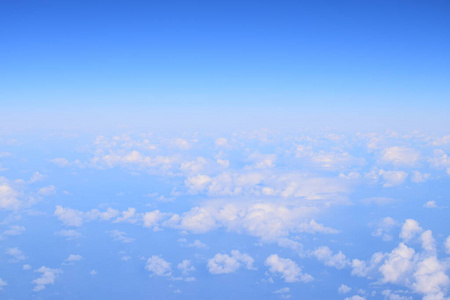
[
  {"x": 157, "y": 266},
  {"x": 410, "y": 229},
  {"x": 400, "y": 156},
  {"x": 12, "y": 230},
  {"x": 325, "y": 255},
  {"x": 355, "y": 297},
  {"x": 383, "y": 228},
  {"x": 343, "y": 289},
  {"x": 393, "y": 178},
  {"x": 430, "y": 204},
  {"x": 224, "y": 263},
  {"x": 2, "y": 284},
  {"x": 186, "y": 267},
  {"x": 287, "y": 269},
  {"x": 74, "y": 257},
  {"x": 69, "y": 234},
  {"x": 447, "y": 245},
  {"x": 48, "y": 276},
  {"x": 8, "y": 197},
  {"x": 120, "y": 236},
  {"x": 15, "y": 253}
]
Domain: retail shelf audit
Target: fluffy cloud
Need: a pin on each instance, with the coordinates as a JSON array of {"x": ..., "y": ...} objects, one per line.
[
  {"x": 15, "y": 253},
  {"x": 9, "y": 197},
  {"x": 48, "y": 276},
  {"x": 2, "y": 284},
  {"x": 120, "y": 236},
  {"x": 383, "y": 228},
  {"x": 74, "y": 257},
  {"x": 400, "y": 156},
  {"x": 224, "y": 263},
  {"x": 157, "y": 266},
  {"x": 186, "y": 267},
  {"x": 447, "y": 245},
  {"x": 69, "y": 234},
  {"x": 343, "y": 289},
  {"x": 324, "y": 254},
  {"x": 409, "y": 229},
  {"x": 287, "y": 269},
  {"x": 12, "y": 231},
  {"x": 393, "y": 178}
]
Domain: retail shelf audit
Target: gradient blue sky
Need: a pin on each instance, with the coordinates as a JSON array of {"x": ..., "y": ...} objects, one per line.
[{"x": 376, "y": 58}]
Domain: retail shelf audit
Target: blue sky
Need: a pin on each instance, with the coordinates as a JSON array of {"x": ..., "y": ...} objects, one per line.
[{"x": 225, "y": 150}]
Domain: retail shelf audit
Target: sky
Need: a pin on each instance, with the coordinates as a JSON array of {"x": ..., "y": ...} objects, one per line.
[{"x": 225, "y": 150}]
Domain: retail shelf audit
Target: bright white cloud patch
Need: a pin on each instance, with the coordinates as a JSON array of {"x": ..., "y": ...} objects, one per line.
[
  {"x": 343, "y": 289},
  {"x": 410, "y": 229},
  {"x": 224, "y": 263},
  {"x": 400, "y": 156},
  {"x": 74, "y": 257},
  {"x": 287, "y": 269},
  {"x": 157, "y": 266},
  {"x": 15, "y": 253},
  {"x": 47, "y": 276},
  {"x": 338, "y": 261}
]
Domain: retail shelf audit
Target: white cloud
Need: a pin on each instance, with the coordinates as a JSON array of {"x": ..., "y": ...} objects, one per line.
[
  {"x": 224, "y": 263},
  {"x": 428, "y": 242},
  {"x": 355, "y": 297},
  {"x": 393, "y": 178},
  {"x": 13, "y": 230},
  {"x": 447, "y": 245},
  {"x": 343, "y": 289},
  {"x": 47, "y": 191},
  {"x": 69, "y": 234},
  {"x": 398, "y": 264},
  {"x": 48, "y": 276},
  {"x": 186, "y": 267},
  {"x": 120, "y": 236},
  {"x": 418, "y": 177},
  {"x": 221, "y": 142},
  {"x": 9, "y": 197},
  {"x": 383, "y": 228},
  {"x": 389, "y": 295},
  {"x": 61, "y": 162},
  {"x": 409, "y": 229},
  {"x": 2, "y": 284},
  {"x": 69, "y": 217},
  {"x": 430, "y": 204},
  {"x": 15, "y": 253},
  {"x": 400, "y": 156},
  {"x": 74, "y": 257},
  {"x": 127, "y": 216},
  {"x": 287, "y": 269},
  {"x": 26, "y": 267},
  {"x": 158, "y": 266},
  {"x": 325, "y": 255},
  {"x": 152, "y": 218}
]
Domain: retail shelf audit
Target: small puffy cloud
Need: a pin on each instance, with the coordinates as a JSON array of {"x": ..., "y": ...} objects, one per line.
[
  {"x": 158, "y": 266},
  {"x": 60, "y": 162},
  {"x": 378, "y": 200},
  {"x": 69, "y": 217},
  {"x": 74, "y": 257},
  {"x": 152, "y": 218},
  {"x": 221, "y": 142},
  {"x": 69, "y": 234},
  {"x": 36, "y": 177},
  {"x": 418, "y": 177},
  {"x": 409, "y": 229},
  {"x": 26, "y": 267},
  {"x": 186, "y": 267},
  {"x": 197, "y": 183},
  {"x": 197, "y": 220},
  {"x": 120, "y": 236},
  {"x": 400, "y": 156},
  {"x": 93, "y": 272},
  {"x": 430, "y": 204},
  {"x": 287, "y": 269},
  {"x": 343, "y": 289},
  {"x": 15, "y": 253},
  {"x": 47, "y": 191},
  {"x": 12, "y": 231},
  {"x": 9, "y": 197},
  {"x": 127, "y": 216},
  {"x": 2, "y": 284},
  {"x": 393, "y": 178},
  {"x": 325, "y": 255},
  {"x": 224, "y": 263},
  {"x": 383, "y": 228},
  {"x": 48, "y": 276},
  {"x": 284, "y": 290}
]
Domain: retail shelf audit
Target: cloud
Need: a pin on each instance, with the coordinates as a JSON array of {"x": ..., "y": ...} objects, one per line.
[
  {"x": 400, "y": 156},
  {"x": 26, "y": 267},
  {"x": 186, "y": 267},
  {"x": 69, "y": 234},
  {"x": 325, "y": 255},
  {"x": 158, "y": 266},
  {"x": 74, "y": 257},
  {"x": 409, "y": 229},
  {"x": 430, "y": 204},
  {"x": 287, "y": 269},
  {"x": 120, "y": 236},
  {"x": 383, "y": 228},
  {"x": 355, "y": 297},
  {"x": 12, "y": 230},
  {"x": 76, "y": 218},
  {"x": 343, "y": 289},
  {"x": 389, "y": 295},
  {"x": 224, "y": 263},
  {"x": 447, "y": 245},
  {"x": 48, "y": 276},
  {"x": 393, "y": 178},
  {"x": 2, "y": 284},
  {"x": 9, "y": 197},
  {"x": 47, "y": 191},
  {"x": 15, "y": 253}
]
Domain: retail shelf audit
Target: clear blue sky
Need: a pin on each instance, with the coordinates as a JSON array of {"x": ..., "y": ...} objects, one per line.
[{"x": 207, "y": 54}]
